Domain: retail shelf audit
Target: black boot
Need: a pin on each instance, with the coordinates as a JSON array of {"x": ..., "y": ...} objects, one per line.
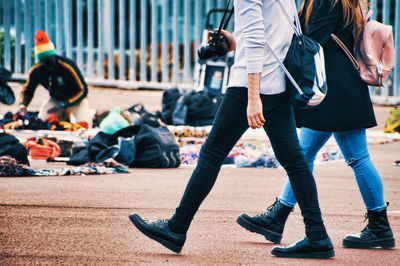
[
  {"x": 377, "y": 233},
  {"x": 306, "y": 248},
  {"x": 160, "y": 232},
  {"x": 269, "y": 224}
]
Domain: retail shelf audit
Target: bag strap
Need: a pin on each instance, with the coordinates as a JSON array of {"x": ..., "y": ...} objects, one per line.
[
  {"x": 297, "y": 31},
  {"x": 296, "y": 25},
  {"x": 346, "y": 50},
  {"x": 285, "y": 69}
]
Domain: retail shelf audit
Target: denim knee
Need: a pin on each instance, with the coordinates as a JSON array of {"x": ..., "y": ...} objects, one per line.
[{"x": 356, "y": 161}]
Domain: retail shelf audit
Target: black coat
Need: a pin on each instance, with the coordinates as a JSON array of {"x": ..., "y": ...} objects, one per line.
[{"x": 347, "y": 105}]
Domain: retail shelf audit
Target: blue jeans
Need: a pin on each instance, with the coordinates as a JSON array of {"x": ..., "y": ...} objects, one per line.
[
  {"x": 229, "y": 125},
  {"x": 353, "y": 144}
]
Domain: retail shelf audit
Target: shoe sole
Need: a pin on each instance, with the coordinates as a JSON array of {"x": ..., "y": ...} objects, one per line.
[
  {"x": 313, "y": 255},
  {"x": 386, "y": 243},
  {"x": 269, "y": 235},
  {"x": 137, "y": 223}
]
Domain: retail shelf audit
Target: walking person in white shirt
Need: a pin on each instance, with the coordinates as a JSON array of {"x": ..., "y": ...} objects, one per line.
[{"x": 255, "y": 98}]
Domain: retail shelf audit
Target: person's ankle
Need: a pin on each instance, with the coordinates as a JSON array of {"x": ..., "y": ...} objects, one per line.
[
  {"x": 317, "y": 235},
  {"x": 176, "y": 228}
]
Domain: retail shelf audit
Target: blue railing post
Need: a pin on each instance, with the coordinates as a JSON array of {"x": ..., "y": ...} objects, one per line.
[
  {"x": 59, "y": 26},
  {"x": 7, "y": 37},
  {"x": 143, "y": 41},
  {"x": 100, "y": 48},
  {"x": 79, "y": 35},
  {"x": 186, "y": 62},
  {"x": 18, "y": 30},
  {"x": 90, "y": 38},
  {"x": 110, "y": 38},
  {"x": 386, "y": 12},
  {"x": 132, "y": 44},
  {"x": 68, "y": 27},
  {"x": 175, "y": 54},
  {"x": 121, "y": 31},
  {"x": 28, "y": 36},
  {"x": 154, "y": 42},
  {"x": 37, "y": 17},
  {"x": 48, "y": 18},
  {"x": 374, "y": 7},
  {"x": 197, "y": 29},
  {"x": 165, "y": 48}
]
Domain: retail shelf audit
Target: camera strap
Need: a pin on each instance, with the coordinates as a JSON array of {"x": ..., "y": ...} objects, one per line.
[{"x": 223, "y": 18}]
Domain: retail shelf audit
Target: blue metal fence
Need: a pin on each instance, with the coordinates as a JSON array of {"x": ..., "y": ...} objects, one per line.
[{"x": 135, "y": 43}]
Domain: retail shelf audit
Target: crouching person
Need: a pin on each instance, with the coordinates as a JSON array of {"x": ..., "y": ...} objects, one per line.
[{"x": 62, "y": 78}]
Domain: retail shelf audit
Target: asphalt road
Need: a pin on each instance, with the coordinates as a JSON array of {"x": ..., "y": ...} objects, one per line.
[{"x": 84, "y": 219}]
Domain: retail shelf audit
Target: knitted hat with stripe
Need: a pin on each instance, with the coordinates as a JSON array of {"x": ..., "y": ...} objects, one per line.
[{"x": 43, "y": 46}]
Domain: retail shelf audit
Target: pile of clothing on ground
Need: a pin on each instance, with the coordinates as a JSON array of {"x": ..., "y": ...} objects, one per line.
[
  {"x": 128, "y": 138},
  {"x": 134, "y": 137}
]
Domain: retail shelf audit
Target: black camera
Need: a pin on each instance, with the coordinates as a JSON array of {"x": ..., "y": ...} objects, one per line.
[{"x": 218, "y": 45}]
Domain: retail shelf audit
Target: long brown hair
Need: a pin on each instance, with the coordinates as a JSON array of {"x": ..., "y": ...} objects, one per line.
[{"x": 352, "y": 13}]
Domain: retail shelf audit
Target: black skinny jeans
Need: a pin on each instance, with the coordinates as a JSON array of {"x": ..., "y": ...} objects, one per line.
[{"x": 229, "y": 125}]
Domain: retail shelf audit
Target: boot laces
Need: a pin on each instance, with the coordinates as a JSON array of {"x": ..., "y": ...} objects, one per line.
[
  {"x": 270, "y": 208},
  {"x": 366, "y": 218}
]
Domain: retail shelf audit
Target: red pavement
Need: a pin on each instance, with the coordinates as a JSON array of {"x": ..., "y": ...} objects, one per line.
[{"x": 84, "y": 219}]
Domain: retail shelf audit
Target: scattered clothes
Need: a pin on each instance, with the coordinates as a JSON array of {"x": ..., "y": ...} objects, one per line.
[
  {"x": 42, "y": 148},
  {"x": 119, "y": 146},
  {"x": 113, "y": 122},
  {"x": 80, "y": 157},
  {"x": 98, "y": 117},
  {"x": 10, "y": 167},
  {"x": 29, "y": 120},
  {"x": 250, "y": 155}
]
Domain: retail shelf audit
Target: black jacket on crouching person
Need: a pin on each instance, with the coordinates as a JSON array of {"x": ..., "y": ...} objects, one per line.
[
  {"x": 65, "y": 82},
  {"x": 347, "y": 105}
]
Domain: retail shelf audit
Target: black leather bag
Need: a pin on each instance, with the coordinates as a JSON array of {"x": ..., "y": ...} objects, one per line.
[{"x": 156, "y": 148}]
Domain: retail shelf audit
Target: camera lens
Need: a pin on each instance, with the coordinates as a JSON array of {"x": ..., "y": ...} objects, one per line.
[{"x": 205, "y": 52}]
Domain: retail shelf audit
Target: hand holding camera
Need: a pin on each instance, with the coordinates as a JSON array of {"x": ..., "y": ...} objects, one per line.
[
  {"x": 218, "y": 45},
  {"x": 221, "y": 41}
]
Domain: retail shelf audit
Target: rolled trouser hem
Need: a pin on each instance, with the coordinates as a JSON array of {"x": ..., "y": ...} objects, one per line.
[
  {"x": 178, "y": 227},
  {"x": 317, "y": 233}
]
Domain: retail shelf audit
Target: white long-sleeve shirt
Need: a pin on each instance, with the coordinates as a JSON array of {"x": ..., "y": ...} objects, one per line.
[{"x": 258, "y": 21}]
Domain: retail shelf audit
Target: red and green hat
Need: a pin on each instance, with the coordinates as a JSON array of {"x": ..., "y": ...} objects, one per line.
[{"x": 43, "y": 46}]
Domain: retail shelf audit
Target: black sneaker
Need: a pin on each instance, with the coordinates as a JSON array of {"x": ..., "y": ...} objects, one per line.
[
  {"x": 306, "y": 248},
  {"x": 160, "y": 232}
]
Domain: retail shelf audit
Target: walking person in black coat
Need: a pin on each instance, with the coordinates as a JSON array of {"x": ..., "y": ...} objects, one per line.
[{"x": 345, "y": 113}]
